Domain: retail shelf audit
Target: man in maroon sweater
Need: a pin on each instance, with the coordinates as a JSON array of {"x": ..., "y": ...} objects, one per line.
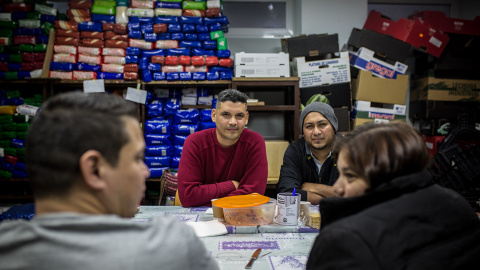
[{"x": 223, "y": 161}]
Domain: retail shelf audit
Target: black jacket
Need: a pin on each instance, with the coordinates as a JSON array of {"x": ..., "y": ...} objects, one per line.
[
  {"x": 298, "y": 168},
  {"x": 408, "y": 223}
]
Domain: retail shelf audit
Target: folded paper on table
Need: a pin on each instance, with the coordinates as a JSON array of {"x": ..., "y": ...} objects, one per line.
[{"x": 208, "y": 228}]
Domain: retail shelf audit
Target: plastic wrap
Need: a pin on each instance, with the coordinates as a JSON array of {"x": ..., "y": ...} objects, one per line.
[
  {"x": 153, "y": 52},
  {"x": 157, "y": 161},
  {"x": 184, "y": 129},
  {"x": 65, "y": 49},
  {"x": 113, "y": 52},
  {"x": 157, "y": 139},
  {"x": 88, "y": 67},
  {"x": 140, "y": 12},
  {"x": 158, "y": 126},
  {"x": 108, "y": 26},
  {"x": 171, "y": 60},
  {"x": 130, "y": 75},
  {"x": 101, "y": 18},
  {"x": 84, "y": 75},
  {"x": 158, "y": 59},
  {"x": 164, "y": 36},
  {"x": 67, "y": 33},
  {"x": 89, "y": 59},
  {"x": 213, "y": 76},
  {"x": 90, "y": 42},
  {"x": 185, "y": 76},
  {"x": 159, "y": 76},
  {"x": 147, "y": 75},
  {"x": 90, "y": 26},
  {"x": 154, "y": 67},
  {"x": 46, "y": 9},
  {"x": 110, "y": 76},
  {"x": 175, "y": 69},
  {"x": 184, "y": 60},
  {"x": 65, "y": 25},
  {"x": 167, "y": 19},
  {"x": 178, "y": 52},
  {"x": 89, "y": 50},
  {"x": 132, "y": 51},
  {"x": 131, "y": 59},
  {"x": 194, "y": 12},
  {"x": 65, "y": 75},
  {"x": 62, "y": 66},
  {"x": 103, "y": 10},
  {"x": 113, "y": 36},
  {"x": 17, "y": 40},
  {"x": 190, "y": 44},
  {"x": 130, "y": 68},
  {"x": 120, "y": 29},
  {"x": 79, "y": 12},
  {"x": 109, "y": 59},
  {"x": 142, "y": 4},
  {"x": 193, "y": 68},
  {"x": 110, "y": 43},
  {"x": 203, "y": 52},
  {"x": 168, "y": 12},
  {"x": 205, "y": 37},
  {"x": 160, "y": 28},
  {"x": 225, "y": 62},
  {"x": 112, "y": 68},
  {"x": 94, "y": 35},
  {"x": 142, "y": 44},
  {"x": 191, "y": 36},
  {"x": 80, "y": 19},
  {"x": 174, "y": 28},
  {"x": 222, "y": 44},
  {"x": 64, "y": 58},
  {"x": 178, "y": 36},
  {"x": 150, "y": 37}
]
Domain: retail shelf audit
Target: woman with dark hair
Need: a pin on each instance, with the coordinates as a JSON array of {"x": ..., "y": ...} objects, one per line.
[{"x": 391, "y": 215}]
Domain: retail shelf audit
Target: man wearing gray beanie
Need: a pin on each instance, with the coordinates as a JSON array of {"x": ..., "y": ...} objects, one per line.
[{"x": 308, "y": 164}]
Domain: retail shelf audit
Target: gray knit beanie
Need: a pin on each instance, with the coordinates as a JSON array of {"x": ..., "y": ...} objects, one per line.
[{"x": 323, "y": 108}]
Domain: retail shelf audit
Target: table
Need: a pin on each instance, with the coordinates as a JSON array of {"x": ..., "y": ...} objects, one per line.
[{"x": 283, "y": 247}]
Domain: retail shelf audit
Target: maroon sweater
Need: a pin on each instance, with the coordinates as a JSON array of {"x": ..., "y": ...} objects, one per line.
[{"x": 206, "y": 168}]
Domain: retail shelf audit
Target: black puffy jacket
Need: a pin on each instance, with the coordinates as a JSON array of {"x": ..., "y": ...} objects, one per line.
[{"x": 408, "y": 223}]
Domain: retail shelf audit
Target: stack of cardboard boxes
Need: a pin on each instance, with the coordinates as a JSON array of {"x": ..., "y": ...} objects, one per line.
[
  {"x": 443, "y": 87},
  {"x": 378, "y": 56},
  {"x": 322, "y": 70}
]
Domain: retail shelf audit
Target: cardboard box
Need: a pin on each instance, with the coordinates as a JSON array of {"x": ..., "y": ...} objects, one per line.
[
  {"x": 311, "y": 45},
  {"x": 364, "y": 59},
  {"x": 262, "y": 71},
  {"x": 431, "y": 88},
  {"x": 440, "y": 109},
  {"x": 372, "y": 88},
  {"x": 343, "y": 118},
  {"x": 261, "y": 59},
  {"x": 366, "y": 111},
  {"x": 415, "y": 32},
  {"x": 386, "y": 48},
  {"x": 275, "y": 151},
  {"x": 440, "y": 21},
  {"x": 339, "y": 95},
  {"x": 322, "y": 72}
]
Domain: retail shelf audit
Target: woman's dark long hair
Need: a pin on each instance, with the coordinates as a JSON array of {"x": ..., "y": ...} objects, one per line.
[{"x": 382, "y": 152}]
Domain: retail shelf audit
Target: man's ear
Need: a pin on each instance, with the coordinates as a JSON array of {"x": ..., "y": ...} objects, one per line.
[
  {"x": 214, "y": 114},
  {"x": 246, "y": 120},
  {"x": 91, "y": 166}
]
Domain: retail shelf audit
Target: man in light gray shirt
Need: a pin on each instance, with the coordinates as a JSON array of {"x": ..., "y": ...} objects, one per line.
[{"x": 85, "y": 163}]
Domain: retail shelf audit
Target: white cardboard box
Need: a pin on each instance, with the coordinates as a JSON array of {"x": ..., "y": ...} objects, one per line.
[
  {"x": 322, "y": 72},
  {"x": 261, "y": 59},
  {"x": 364, "y": 59},
  {"x": 365, "y": 111},
  {"x": 262, "y": 71}
]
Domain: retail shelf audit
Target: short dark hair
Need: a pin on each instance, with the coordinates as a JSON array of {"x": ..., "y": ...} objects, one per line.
[
  {"x": 381, "y": 152},
  {"x": 67, "y": 126},
  {"x": 232, "y": 95}
]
